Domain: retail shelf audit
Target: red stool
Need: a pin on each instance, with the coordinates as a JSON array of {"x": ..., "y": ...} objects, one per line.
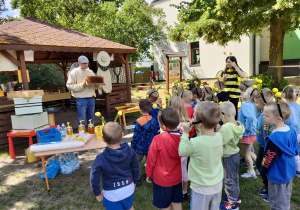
[{"x": 11, "y": 144}]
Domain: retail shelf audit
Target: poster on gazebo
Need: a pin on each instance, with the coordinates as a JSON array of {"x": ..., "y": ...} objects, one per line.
[{"x": 174, "y": 70}]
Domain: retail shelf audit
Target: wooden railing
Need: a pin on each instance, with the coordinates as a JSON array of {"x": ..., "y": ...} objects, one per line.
[{"x": 7, "y": 109}]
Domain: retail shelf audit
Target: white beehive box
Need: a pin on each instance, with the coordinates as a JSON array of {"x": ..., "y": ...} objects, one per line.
[
  {"x": 28, "y": 105},
  {"x": 29, "y": 121}
]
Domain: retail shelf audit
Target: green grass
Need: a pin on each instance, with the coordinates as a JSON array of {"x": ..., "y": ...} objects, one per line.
[{"x": 4, "y": 155}]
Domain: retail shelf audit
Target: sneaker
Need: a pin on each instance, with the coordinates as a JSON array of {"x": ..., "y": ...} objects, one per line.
[
  {"x": 249, "y": 175},
  {"x": 242, "y": 159},
  {"x": 265, "y": 198},
  {"x": 138, "y": 182},
  {"x": 228, "y": 206},
  {"x": 262, "y": 191},
  {"x": 245, "y": 165},
  {"x": 185, "y": 196},
  {"x": 257, "y": 172},
  {"x": 225, "y": 199},
  {"x": 298, "y": 174}
]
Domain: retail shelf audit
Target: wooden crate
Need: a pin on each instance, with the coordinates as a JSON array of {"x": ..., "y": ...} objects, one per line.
[
  {"x": 25, "y": 94},
  {"x": 7, "y": 109}
]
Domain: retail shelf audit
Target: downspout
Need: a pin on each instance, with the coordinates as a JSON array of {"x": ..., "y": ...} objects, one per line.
[{"x": 254, "y": 56}]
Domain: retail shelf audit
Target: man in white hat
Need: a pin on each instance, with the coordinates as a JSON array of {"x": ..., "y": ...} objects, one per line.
[{"x": 84, "y": 94}]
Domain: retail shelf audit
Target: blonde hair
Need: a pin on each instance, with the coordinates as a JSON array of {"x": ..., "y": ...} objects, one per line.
[
  {"x": 153, "y": 95},
  {"x": 209, "y": 113},
  {"x": 284, "y": 107},
  {"x": 212, "y": 98},
  {"x": 248, "y": 93},
  {"x": 266, "y": 92},
  {"x": 228, "y": 108},
  {"x": 187, "y": 96},
  {"x": 290, "y": 93},
  {"x": 178, "y": 104},
  {"x": 246, "y": 84},
  {"x": 112, "y": 132}
]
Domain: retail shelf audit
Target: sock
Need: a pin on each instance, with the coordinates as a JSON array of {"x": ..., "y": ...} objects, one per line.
[
  {"x": 297, "y": 160},
  {"x": 184, "y": 192}
]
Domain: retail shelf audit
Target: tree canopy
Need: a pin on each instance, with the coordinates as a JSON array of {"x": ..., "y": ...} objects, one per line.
[
  {"x": 222, "y": 21},
  {"x": 129, "y": 22}
]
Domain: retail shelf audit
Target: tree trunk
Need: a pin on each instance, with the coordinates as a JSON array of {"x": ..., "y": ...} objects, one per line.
[{"x": 276, "y": 48}]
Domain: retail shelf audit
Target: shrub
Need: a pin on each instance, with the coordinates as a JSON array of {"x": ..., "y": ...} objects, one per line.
[
  {"x": 283, "y": 83},
  {"x": 268, "y": 81},
  {"x": 142, "y": 68}
]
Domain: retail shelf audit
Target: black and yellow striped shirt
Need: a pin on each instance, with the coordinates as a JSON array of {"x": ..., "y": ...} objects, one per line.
[{"x": 232, "y": 84}]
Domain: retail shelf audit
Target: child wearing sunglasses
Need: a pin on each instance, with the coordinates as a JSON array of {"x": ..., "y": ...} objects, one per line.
[{"x": 205, "y": 152}]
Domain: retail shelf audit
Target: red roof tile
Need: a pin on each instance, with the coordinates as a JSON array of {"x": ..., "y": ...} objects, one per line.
[{"x": 32, "y": 32}]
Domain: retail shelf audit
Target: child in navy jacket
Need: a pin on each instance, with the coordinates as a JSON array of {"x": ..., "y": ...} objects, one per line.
[
  {"x": 119, "y": 169},
  {"x": 144, "y": 131},
  {"x": 279, "y": 155}
]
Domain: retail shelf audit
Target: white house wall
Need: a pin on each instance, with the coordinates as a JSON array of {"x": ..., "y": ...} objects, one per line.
[{"x": 212, "y": 58}]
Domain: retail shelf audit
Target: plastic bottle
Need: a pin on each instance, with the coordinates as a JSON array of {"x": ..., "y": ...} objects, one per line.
[
  {"x": 69, "y": 130},
  {"x": 59, "y": 129},
  {"x": 91, "y": 128},
  {"x": 81, "y": 128},
  {"x": 76, "y": 155},
  {"x": 63, "y": 130}
]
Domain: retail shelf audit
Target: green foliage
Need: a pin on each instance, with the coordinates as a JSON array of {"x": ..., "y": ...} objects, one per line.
[
  {"x": 5, "y": 78},
  {"x": 45, "y": 75},
  {"x": 129, "y": 22},
  {"x": 142, "y": 68},
  {"x": 268, "y": 81},
  {"x": 224, "y": 21},
  {"x": 283, "y": 83}
]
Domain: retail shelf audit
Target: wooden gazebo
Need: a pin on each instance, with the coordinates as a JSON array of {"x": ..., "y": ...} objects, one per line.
[{"x": 54, "y": 44}]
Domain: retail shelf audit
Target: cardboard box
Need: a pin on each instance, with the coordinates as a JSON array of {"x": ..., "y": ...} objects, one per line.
[
  {"x": 25, "y": 94},
  {"x": 29, "y": 121}
]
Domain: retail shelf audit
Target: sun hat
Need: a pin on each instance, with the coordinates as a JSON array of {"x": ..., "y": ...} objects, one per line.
[{"x": 103, "y": 58}]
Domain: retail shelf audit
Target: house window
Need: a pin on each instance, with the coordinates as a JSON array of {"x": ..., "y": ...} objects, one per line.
[{"x": 195, "y": 53}]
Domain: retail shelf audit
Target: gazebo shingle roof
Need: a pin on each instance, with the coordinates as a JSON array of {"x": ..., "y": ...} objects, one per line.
[{"x": 32, "y": 33}]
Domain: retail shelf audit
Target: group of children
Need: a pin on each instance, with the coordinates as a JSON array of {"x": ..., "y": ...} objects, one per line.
[{"x": 196, "y": 139}]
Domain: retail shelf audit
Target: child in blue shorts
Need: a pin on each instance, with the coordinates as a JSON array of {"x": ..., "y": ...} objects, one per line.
[{"x": 119, "y": 169}]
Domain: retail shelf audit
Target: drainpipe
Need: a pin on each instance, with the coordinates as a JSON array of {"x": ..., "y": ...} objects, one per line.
[{"x": 254, "y": 55}]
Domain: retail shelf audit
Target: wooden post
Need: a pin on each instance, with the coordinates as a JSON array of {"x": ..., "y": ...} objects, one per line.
[
  {"x": 21, "y": 58},
  {"x": 65, "y": 71},
  {"x": 167, "y": 73},
  {"x": 180, "y": 67},
  {"x": 127, "y": 77}
]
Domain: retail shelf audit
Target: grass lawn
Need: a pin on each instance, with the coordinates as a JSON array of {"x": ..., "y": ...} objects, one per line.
[{"x": 22, "y": 188}]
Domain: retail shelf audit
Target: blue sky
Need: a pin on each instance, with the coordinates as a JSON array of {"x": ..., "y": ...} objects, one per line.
[{"x": 16, "y": 12}]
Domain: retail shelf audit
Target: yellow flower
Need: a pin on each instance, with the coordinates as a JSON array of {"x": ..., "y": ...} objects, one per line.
[
  {"x": 218, "y": 77},
  {"x": 166, "y": 92},
  {"x": 230, "y": 53},
  {"x": 239, "y": 79},
  {"x": 194, "y": 74},
  {"x": 120, "y": 113},
  {"x": 154, "y": 106},
  {"x": 254, "y": 86},
  {"x": 181, "y": 83},
  {"x": 186, "y": 80},
  {"x": 97, "y": 114},
  {"x": 153, "y": 87},
  {"x": 212, "y": 102},
  {"x": 183, "y": 124},
  {"x": 176, "y": 82},
  {"x": 259, "y": 81},
  {"x": 175, "y": 91},
  {"x": 224, "y": 53},
  {"x": 216, "y": 89},
  {"x": 168, "y": 97},
  {"x": 256, "y": 80},
  {"x": 290, "y": 85},
  {"x": 147, "y": 96},
  {"x": 220, "y": 102},
  {"x": 159, "y": 86},
  {"x": 138, "y": 95},
  {"x": 195, "y": 82},
  {"x": 275, "y": 90},
  {"x": 278, "y": 95},
  {"x": 201, "y": 84},
  {"x": 187, "y": 87}
]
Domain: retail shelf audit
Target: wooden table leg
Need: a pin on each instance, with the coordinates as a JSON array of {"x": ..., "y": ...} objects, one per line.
[
  {"x": 30, "y": 140},
  {"x": 44, "y": 169},
  {"x": 120, "y": 121},
  {"x": 11, "y": 148},
  {"x": 124, "y": 121}
]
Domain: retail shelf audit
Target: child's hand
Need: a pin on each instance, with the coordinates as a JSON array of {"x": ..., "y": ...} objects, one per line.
[
  {"x": 148, "y": 179},
  {"x": 100, "y": 197},
  {"x": 187, "y": 127}
]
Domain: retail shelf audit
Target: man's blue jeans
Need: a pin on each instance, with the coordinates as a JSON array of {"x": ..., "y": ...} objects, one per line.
[{"x": 85, "y": 109}]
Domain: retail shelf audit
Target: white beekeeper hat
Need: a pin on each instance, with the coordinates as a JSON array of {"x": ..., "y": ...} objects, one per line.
[
  {"x": 103, "y": 58},
  {"x": 83, "y": 59}
]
